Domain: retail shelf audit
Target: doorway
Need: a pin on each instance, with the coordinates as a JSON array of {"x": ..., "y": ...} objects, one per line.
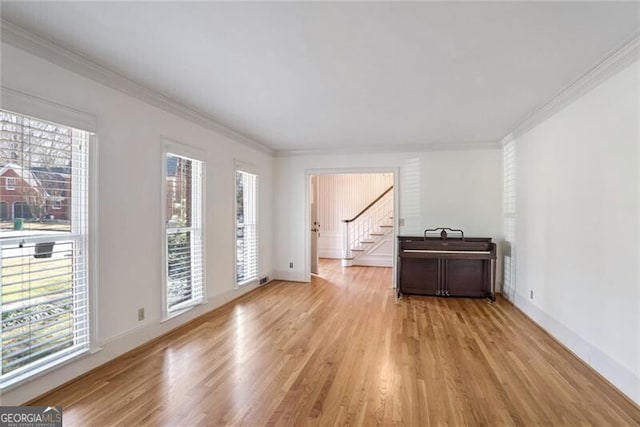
[
  {"x": 315, "y": 224},
  {"x": 352, "y": 218}
]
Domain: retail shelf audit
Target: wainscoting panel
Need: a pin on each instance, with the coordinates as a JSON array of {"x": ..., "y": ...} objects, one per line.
[{"x": 342, "y": 196}]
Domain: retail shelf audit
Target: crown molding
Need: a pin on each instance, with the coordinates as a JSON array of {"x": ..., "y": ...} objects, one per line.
[
  {"x": 395, "y": 148},
  {"x": 611, "y": 64},
  {"x": 19, "y": 37},
  {"x": 34, "y": 106},
  {"x": 507, "y": 139}
]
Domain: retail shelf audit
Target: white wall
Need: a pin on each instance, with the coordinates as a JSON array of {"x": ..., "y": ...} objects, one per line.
[
  {"x": 130, "y": 242},
  {"x": 578, "y": 220},
  {"x": 342, "y": 196},
  {"x": 577, "y": 232},
  {"x": 460, "y": 189}
]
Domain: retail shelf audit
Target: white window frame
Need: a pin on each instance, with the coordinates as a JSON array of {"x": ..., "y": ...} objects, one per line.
[
  {"x": 244, "y": 167},
  {"x": 9, "y": 183},
  {"x": 182, "y": 150},
  {"x": 509, "y": 217},
  {"x": 41, "y": 109},
  {"x": 56, "y": 204}
]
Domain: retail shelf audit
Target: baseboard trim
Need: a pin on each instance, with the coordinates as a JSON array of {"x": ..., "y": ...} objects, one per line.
[
  {"x": 625, "y": 374},
  {"x": 331, "y": 253},
  {"x": 290, "y": 276},
  {"x": 196, "y": 321},
  {"x": 374, "y": 262}
]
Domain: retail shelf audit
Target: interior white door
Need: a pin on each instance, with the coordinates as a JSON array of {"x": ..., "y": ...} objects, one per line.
[{"x": 315, "y": 225}]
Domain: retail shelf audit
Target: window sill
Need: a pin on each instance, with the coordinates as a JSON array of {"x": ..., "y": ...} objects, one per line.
[
  {"x": 182, "y": 310},
  {"x": 253, "y": 281},
  {"x": 43, "y": 370}
]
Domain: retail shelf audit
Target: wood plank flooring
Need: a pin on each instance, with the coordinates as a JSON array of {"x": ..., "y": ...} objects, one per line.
[{"x": 343, "y": 350}]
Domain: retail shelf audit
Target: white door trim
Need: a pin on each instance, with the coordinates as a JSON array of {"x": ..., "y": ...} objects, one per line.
[{"x": 307, "y": 211}]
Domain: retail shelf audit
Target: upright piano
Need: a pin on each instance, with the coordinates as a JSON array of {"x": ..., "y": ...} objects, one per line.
[{"x": 446, "y": 266}]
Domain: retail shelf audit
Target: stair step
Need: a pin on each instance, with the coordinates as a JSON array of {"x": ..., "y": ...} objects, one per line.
[
  {"x": 348, "y": 258},
  {"x": 366, "y": 241},
  {"x": 386, "y": 226},
  {"x": 376, "y": 234},
  {"x": 357, "y": 250}
]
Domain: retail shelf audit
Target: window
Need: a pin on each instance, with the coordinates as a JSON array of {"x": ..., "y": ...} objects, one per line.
[
  {"x": 183, "y": 233},
  {"x": 246, "y": 227},
  {"x": 9, "y": 183},
  {"x": 56, "y": 204},
  {"x": 509, "y": 217},
  {"x": 44, "y": 285}
]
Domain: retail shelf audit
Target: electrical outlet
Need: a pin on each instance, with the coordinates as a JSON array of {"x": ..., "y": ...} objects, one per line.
[
  {"x": 290, "y": 265},
  {"x": 531, "y": 294},
  {"x": 140, "y": 314}
]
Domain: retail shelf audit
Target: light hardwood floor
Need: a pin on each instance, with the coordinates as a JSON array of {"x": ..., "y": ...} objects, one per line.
[{"x": 342, "y": 351}]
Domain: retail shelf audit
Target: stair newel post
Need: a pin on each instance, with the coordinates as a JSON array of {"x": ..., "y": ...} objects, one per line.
[{"x": 345, "y": 240}]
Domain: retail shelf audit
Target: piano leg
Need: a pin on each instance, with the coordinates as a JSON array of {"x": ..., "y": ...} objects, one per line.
[{"x": 492, "y": 296}]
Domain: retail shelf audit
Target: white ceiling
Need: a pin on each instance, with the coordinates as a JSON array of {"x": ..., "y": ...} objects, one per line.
[{"x": 305, "y": 76}]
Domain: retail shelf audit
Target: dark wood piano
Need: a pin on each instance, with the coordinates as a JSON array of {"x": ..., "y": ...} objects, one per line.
[{"x": 443, "y": 265}]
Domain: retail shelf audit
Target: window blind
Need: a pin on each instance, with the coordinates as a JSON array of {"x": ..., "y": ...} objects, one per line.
[
  {"x": 509, "y": 178},
  {"x": 246, "y": 227},
  {"x": 44, "y": 289},
  {"x": 184, "y": 245},
  {"x": 509, "y": 214}
]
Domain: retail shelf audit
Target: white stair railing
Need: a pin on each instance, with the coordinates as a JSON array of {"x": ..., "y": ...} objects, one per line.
[{"x": 360, "y": 230}]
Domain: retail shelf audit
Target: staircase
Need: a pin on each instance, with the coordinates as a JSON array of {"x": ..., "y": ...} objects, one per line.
[{"x": 368, "y": 236}]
